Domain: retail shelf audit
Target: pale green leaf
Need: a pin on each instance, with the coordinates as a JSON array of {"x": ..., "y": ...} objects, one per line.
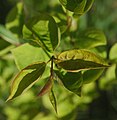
[
  {"x": 113, "y": 52},
  {"x": 76, "y": 60},
  {"x": 26, "y": 78},
  {"x": 27, "y": 34},
  {"x": 90, "y": 38},
  {"x": 27, "y": 54}
]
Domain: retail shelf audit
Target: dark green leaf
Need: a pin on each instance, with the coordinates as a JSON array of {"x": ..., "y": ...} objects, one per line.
[
  {"x": 77, "y": 6},
  {"x": 45, "y": 30},
  {"x": 76, "y": 60},
  {"x": 26, "y": 78},
  {"x": 90, "y": 38},
  {"x": 53, "y": 100},
  {"x": 91, "y": 75},
  {"x": 47, "y": 87},
  {"x": 72, "y": 81}
]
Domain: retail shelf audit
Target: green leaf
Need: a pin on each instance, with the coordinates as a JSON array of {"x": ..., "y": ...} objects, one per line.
[
  {"x": 71, "y": 81},
  {"x": 77, "y": 60},
  {"x": 8, "y": 36},
  {"x": 26, "y": 78},
  {"x": 45, "y": 30},
  {"x": 27, "y": 54},
  {"x": 91, "y": 75},
  {"x": 47, "y": 87},
  {"x": 79, "y": 7},
  {"x": 91, "y": 38},
  {"x": 27, "y": 34},
  {"x": 6, "y": 50},
  {"x": 53, "y": 99},
  {"x": 113, "y": 53},
  {"x": 15, "y": 19}
]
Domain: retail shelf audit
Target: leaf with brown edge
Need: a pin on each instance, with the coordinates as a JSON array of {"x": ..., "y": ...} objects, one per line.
[
  {"x": 81, "y": 59},
  {"x": 47, "y": 87},
  {"x": 26, "y": 78}
]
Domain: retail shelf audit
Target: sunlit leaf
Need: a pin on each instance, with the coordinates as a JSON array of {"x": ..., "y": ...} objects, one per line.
[
  {"x": 77, "y": 6},
  {"x": 113, "y": 52},
  {"x": 27, "y": 54},
  {"x": 71, "y": 81},
  {"x": 91, "y": 75},
  {"x": 27, "y": 34},
  {"x": 47, "y": 87},
  {"x": 76, "y": 60},
  {"x": 46, "y": 31},
  {"x": 26, "y": 78},
  {"x": 53, "y": 99},
  {"x": 90, "y": 38}
]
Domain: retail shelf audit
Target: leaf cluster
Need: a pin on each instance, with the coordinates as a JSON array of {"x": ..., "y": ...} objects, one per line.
[{"x": 41, "y": 47}]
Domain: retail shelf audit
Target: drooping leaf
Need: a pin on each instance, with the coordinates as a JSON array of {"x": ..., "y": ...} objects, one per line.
[
  {"x": 113, "y": 53},
  {"x": 8, "y": 36},
  {"x": 76, "y": 60},
  {"x": 91, "y": 38},
  {"x": 91, "y": 75},
  {"x": 27, "y": 54},
  {"x": 26, "y": 78},
  {"x": 71, "y": 81},
  {"x": 77, "y": 6},
  {"x": 53, "y": 100},
  {"x": 46, "y": 31},
  {"x": 47, "y": 87}
]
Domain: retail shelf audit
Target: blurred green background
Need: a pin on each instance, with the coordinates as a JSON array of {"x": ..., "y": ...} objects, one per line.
[{"x": 99, "y": 100}]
